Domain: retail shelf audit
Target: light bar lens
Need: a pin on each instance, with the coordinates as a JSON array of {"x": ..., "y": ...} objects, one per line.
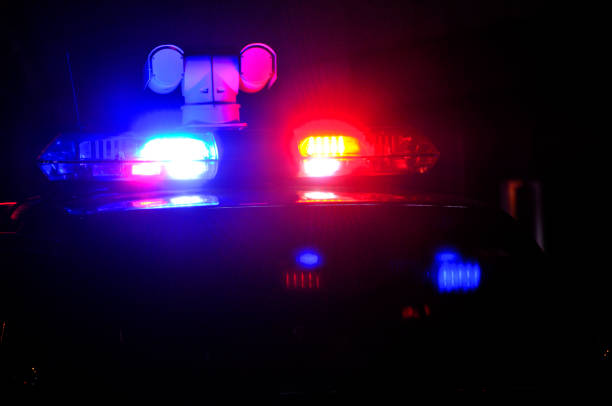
[
  {"x": 333, "y": 148},
  {"x": 182, "y": 156}
]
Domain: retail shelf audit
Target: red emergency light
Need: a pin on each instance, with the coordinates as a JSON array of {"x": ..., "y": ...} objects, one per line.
[{"x": 334, "y": 148}]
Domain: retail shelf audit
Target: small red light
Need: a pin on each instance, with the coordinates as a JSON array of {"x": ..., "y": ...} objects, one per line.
[
  {"x": 302, "y": 280},
  {"x": 410, "y": 312}
]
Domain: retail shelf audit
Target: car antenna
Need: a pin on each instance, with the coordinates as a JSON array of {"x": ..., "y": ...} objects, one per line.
[{"x": 74, "y": 96}]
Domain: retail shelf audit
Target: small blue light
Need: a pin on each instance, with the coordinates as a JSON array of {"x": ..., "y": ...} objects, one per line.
[
  {"x": 446, "y": 256},
  {"x": 454, "y": 274},
  {"x": 308, "y": 259}
]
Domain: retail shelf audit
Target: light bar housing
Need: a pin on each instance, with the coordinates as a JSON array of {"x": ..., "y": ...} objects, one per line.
[
  {"x": 131, "y": 157},
  {"x": 334, "y": 148}
]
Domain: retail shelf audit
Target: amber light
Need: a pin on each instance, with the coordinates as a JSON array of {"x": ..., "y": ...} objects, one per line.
[{"x": 329, "y": 146}]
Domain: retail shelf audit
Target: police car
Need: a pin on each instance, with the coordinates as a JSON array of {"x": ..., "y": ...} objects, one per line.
[{"x": 220, "y": 259}]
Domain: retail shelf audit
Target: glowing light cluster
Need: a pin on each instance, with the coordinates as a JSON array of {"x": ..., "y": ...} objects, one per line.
[
  {"x": 182, "y": 157},
  {"x": 302, "y": 280},
  {"x": 320, "y": 167},
  {"x": 329, "y": 146},
  {"x": 454, "y": 274}
]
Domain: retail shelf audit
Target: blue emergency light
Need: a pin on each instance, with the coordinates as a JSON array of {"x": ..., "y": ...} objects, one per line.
[
  {"x": 176, "y": 156},
  {"x": 453, "y": 274}
]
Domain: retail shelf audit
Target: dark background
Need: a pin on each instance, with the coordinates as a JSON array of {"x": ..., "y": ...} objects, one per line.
[{"x": 476, "y": 77}]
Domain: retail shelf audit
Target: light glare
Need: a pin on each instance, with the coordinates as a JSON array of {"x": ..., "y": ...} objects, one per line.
[
  {"x": 147, "y": 169},
  {"x": 186, "y": 200},
  {"x": 181, "y": 156},
  {"x": 319, "y": 196},
  {"x": 319, "y": 167}
]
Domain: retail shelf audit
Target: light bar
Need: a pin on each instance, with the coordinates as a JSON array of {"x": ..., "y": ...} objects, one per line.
[
  {"x": 180, "y": 156},
  {"x": 332, "y": 148}
]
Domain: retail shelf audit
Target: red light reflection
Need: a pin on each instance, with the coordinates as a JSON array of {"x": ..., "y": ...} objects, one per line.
[
  {"x": 414, "y": 313},
  {"x": 329, "y": 197}
]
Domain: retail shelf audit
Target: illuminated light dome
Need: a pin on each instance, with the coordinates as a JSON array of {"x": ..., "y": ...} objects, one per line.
[
  {"x": 131, "y": 156},
  {"x": 182, "y": 157}
]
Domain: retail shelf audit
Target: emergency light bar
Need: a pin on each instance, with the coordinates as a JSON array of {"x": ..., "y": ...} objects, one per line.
[
  {"x": 178, "y": 156},
  {"x": 333, "y": 148}
]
